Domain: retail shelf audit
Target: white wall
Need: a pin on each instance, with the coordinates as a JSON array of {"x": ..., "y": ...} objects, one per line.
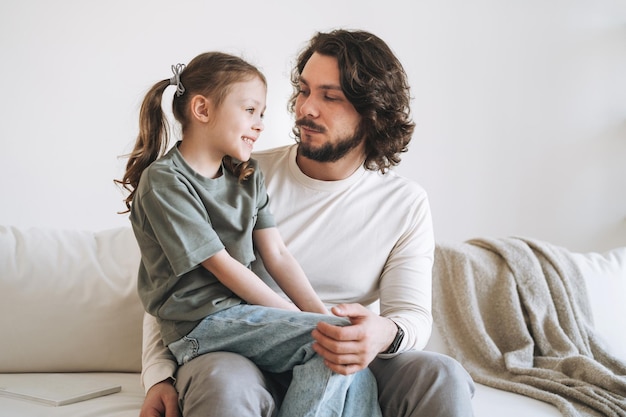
[{"x": 520, "y": 104}]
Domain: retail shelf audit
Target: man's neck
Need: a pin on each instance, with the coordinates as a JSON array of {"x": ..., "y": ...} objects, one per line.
[{"x": 331, "y": 171}]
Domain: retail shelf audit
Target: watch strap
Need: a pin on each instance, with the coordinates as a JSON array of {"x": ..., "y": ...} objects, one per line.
[{"x": 395, "y": 345}]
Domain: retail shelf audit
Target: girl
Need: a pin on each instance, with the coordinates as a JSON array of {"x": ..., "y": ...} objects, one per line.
[{"x": 198, "y": 212}]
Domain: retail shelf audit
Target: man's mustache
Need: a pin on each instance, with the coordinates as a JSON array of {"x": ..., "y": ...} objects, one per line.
[{"x": 309, "y": 124}]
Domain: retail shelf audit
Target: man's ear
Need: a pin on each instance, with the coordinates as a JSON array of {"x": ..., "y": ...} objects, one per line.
[{"x": 201, "y": 108}]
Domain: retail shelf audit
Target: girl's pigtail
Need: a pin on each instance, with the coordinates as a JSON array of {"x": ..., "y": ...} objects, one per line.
[
  {"x": 241, "y": 170},
  {"x": 152, "y": 140}
]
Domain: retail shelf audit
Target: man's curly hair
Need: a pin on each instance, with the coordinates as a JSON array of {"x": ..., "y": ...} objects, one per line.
[{"x": 374, "y": 81}]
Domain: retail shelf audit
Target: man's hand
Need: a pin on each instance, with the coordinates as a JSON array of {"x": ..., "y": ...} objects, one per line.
[
  {"x": 161, "y": 401},
  {"x": 349, "y": 349}
]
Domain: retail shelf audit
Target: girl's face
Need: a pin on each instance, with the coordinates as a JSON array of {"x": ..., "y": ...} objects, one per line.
[{"x": 238, "y": 121}]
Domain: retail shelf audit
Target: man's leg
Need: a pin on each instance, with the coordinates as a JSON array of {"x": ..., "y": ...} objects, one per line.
[
  {"x": 421, "y": 383},
  {"x": 223, "y": 384}
]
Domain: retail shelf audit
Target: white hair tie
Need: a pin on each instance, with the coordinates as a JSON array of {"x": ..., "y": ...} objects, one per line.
[{"x": 175, "y": 80}]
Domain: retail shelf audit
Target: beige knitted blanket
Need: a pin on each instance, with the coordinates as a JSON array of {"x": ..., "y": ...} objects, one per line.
[{"x": 515, "y": 313}]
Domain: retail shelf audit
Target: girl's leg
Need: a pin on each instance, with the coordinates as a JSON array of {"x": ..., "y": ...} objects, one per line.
[
  {"x": 353, "y": 395},
  {"x": 277, "y": 341},
  {"x": 362, "y": 398},
  {"x": 304, "y": 396}
]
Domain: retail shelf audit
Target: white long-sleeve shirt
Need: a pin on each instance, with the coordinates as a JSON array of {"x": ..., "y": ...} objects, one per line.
[{"x": 366, "y": 239}]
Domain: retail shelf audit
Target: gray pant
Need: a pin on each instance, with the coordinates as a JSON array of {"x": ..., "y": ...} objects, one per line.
[{"x": 413, "y": 384}]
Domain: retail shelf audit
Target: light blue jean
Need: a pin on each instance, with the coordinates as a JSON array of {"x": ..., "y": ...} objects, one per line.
[{"x": 278, "y": 341}]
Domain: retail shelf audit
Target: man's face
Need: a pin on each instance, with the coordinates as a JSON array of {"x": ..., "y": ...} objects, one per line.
[{"x": 328, "y": 122}]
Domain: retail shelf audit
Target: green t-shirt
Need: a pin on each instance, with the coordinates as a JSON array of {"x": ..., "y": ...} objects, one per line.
[{"x": 180, "y": 219}]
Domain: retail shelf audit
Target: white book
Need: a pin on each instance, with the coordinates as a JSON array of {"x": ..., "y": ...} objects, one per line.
[{"x": 54, "y": 389}]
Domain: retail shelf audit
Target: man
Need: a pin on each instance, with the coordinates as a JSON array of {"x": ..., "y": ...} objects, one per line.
[{"x": 361, "y": 233}]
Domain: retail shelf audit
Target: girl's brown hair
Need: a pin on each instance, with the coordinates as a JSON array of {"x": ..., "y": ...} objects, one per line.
[{"x": 210, "y": 74}]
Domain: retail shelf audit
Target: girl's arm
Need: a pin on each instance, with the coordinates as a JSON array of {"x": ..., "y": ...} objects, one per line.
[
  {"x": 244, "y": 282},
  {"x": 286, "y": 271}
]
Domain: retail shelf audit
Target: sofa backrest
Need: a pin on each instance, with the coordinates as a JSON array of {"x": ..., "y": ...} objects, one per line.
[{"x": 69, "y": 301}]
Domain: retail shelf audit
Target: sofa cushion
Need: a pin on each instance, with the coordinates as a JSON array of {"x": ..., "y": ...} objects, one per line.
[{"x": 69, "y": 301}]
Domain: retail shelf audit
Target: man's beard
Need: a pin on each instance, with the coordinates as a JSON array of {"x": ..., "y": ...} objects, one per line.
[{"x": 329, "y": 152}]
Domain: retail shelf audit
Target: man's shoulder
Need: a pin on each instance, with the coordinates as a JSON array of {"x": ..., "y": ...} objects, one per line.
[
  {"x": 271, "y": 158},
  {"x": 393, "y": 183},
  {"x": 272, "y": 153}
]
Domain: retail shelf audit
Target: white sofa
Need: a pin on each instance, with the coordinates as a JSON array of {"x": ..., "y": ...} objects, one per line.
[{"x": 69, "y": 305}]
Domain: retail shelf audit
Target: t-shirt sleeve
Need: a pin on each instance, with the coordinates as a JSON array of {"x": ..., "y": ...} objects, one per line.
[
  {"x": 265, "y": 218},
  {"x": 181, "y": 226}
]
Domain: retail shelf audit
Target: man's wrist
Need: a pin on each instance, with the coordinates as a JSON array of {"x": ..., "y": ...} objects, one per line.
[
  {"x": 158, "y": 372},
  {"x": 168, "y": 381},
  {"x": 397, "y": 340}
]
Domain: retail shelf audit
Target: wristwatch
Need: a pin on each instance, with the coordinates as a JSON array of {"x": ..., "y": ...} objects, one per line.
[{"x": 395, "y": 345}]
